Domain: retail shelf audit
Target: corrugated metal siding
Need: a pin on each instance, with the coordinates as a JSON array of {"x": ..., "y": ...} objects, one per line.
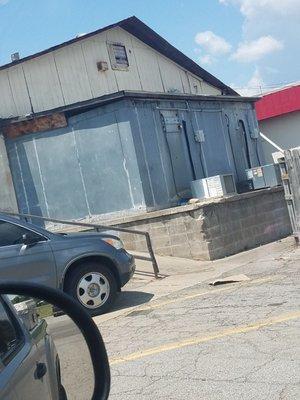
[
  {"x": 170, "y": 75},
  {"x": 95, "y": 50},
  {"x": 148, "y": 68},
  {"x": 7, "y": 103},
  {"x": 19, "y": 90},
  {"x": 70, "y": 75},
  {"x": 44, "y": 83}
]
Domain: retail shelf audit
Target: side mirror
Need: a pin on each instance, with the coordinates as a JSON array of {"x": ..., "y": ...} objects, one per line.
[
  {"x": 29, "y": 240},
  {"x": 81, "y": 318}
]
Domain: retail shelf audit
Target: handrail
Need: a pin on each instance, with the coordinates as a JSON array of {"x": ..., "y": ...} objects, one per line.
[{"x": 98, "y": 227}]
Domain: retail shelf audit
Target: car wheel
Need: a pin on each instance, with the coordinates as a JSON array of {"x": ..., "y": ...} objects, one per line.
[{"x": 94, "y": 286}]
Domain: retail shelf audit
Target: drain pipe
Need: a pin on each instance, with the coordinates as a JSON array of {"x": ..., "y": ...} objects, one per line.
[{"x": 271, "y": 142}]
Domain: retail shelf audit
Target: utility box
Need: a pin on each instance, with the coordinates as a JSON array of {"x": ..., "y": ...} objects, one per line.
[
  {"x": 213, "y": 186},
  {"x": 264, "y": 176}
]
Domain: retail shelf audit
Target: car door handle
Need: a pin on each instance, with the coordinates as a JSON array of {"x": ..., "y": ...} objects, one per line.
[{"x": 40, "y": 370}]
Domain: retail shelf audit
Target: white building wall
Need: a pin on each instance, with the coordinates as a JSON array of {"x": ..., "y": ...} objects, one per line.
[
  {"x": 69, "y": 75},
  {"x": 283, "y": 130}
]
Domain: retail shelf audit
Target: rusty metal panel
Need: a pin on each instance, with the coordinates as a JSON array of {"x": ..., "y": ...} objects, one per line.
[{"x": 39, "y": 124}]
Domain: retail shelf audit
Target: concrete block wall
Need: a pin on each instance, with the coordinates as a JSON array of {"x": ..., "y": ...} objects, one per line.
[
  {"x": 213, "y": 229},
  {"x": 178, "y": 235},
  {"x": 245, "y": 222}
]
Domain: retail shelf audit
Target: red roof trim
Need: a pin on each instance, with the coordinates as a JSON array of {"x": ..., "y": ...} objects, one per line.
[{"x": 278, "y": 103}]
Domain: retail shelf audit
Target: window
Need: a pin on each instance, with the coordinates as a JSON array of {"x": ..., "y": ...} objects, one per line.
[
  {"x": 10, "y": 334},
  {"x": 11, "y": 234},
  {"x": 118, "y": 56}
]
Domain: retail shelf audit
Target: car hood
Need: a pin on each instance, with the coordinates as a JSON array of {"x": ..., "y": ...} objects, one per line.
[{"x": 84, "y": 235}]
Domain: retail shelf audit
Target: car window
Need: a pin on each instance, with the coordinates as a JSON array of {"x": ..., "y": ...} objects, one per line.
[
  {"x": 10, "y": 334},
  {"x": 11, "y": 234}
]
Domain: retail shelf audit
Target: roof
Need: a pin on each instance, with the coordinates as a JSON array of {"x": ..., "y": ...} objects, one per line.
[
  {"x": 136, "y": 27},
  {"x": 279, "y": 102},
  {"x": 86, "y": 105}
]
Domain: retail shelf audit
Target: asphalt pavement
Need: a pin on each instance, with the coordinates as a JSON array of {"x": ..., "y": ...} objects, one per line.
[{"x": 233, "y": 341}]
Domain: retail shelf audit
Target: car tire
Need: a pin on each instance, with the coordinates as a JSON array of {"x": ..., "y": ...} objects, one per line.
[
  {"x": 62, "y": 395},
  {"x": 94, "y": 286}
]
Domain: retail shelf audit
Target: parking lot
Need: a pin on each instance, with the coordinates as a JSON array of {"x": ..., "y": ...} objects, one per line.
[{"x": 234, "y": 341}]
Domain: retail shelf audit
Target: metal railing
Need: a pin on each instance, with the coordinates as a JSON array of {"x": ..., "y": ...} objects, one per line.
[{"x": 98, "y": 228}]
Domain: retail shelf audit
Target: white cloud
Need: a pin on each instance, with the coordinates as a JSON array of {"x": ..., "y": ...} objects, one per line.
[
  {"x": 212, "y": 43},
  {"x": 251, "y": 8},
  {"x": 256, "y": 49},
  {"x": 277, "y": 20},
  {"x": 254, "y": 85},
  {"x": 207, "y": 59}
]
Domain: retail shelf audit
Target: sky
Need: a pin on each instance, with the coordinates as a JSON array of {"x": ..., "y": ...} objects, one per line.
[{"x": 251, "y": 45}]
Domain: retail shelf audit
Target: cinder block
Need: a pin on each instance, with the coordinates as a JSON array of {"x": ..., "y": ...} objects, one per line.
[
  {"x": 181, "y": 251},
  {"x": 195, "y": 237},
  {"x": 199, "y": 254},
  {"x": 191, "y": 224},
  {"x": 213, "y": 231},
  {"x": 161, "y": 241},
  {"x": 180, "y": 238},
  {"x": 177, "y": 228},
  {"x": 158, "y": 231},
  {"x": 164, "y": 251}
]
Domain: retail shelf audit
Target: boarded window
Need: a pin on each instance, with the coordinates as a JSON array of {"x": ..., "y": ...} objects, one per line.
[{"x": 118, "y": 56}]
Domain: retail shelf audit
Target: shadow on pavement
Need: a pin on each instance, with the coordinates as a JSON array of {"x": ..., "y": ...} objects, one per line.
[{"x": 131, "y": 299}]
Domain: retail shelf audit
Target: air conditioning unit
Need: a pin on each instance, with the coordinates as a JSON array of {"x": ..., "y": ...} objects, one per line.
[
  {"x": 213, "y": 186},
  {"x": 264, "y": 176}
]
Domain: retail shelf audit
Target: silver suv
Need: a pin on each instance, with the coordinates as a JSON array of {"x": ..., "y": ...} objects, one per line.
[{"x": 91, "y": 267}]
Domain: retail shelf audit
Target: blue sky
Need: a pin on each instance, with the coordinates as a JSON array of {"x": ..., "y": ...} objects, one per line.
[{"x": 246, "y": 43}]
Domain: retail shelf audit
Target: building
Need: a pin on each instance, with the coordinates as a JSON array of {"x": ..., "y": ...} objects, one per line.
[
  {"x": 116, "y": 122},
  {"x": 278, "y": 113}
]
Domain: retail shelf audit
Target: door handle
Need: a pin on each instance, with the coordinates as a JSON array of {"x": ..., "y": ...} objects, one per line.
[{"x": 40, "y": 370}]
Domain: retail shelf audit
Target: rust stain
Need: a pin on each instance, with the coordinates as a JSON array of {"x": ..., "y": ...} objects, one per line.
[{"x": 39, "y": 124}]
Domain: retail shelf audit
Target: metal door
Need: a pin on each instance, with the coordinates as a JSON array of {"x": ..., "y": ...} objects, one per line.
[
  {"x": 178, "y": 149},
  {"x": 240, "y": 148},
  {"x": 210, "y": 142},
  {"x": 243, "y": 156}
]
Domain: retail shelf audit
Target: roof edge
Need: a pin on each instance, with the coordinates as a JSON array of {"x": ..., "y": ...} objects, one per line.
[{"x": 126, "y": 94}]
